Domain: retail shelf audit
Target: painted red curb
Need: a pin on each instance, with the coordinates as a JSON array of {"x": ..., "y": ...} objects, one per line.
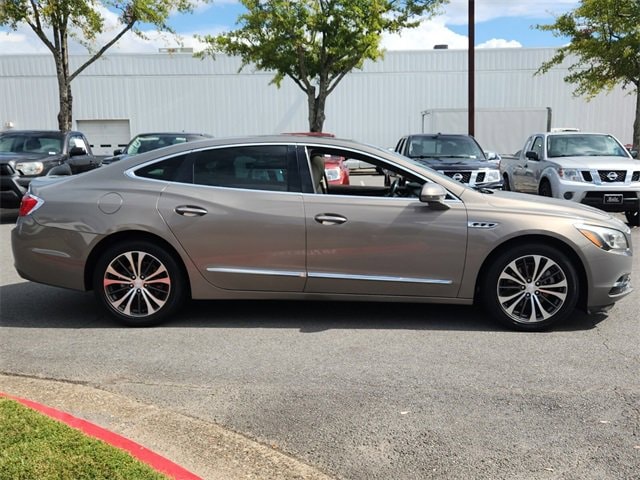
[{"x": 136, "y": 450}]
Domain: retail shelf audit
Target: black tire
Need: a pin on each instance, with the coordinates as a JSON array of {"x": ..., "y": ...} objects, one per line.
[
  {"x": 505, "y": 183},
  {"x": 530, "y": 287},
  {"x": 545, "y": 189},
  {"x": 121, "y": 287},
  {"x": 633, "y": 218}
]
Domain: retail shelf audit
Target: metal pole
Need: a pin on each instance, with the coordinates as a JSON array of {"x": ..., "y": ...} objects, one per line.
[{"x": 472, "y": 67}]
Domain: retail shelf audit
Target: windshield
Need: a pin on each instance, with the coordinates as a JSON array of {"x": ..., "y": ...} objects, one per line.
[
  {"x": 584, "y": 145},
  {"x": 35, "y": 142},
  {"x": 146, "y": 143},
  {"x": 449, "y": 148}
]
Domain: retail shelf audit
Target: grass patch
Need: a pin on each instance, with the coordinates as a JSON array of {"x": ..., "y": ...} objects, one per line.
[{"x": 34, "y": 446}]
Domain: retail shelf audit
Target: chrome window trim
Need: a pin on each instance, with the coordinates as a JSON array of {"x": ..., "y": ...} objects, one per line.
[{"x": 130, "y": 172}]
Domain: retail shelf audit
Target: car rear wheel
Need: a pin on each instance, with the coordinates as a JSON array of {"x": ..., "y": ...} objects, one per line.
[
  {"x": 531, "y": 287},
  {"x": 633, "y": 218},
  {"x": 139, "y": 283}
]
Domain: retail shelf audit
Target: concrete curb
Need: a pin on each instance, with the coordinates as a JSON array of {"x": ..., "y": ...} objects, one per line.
[{"x": 206, "y": 449}]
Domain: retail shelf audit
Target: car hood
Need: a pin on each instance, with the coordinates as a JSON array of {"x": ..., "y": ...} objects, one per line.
[
  {"x": 456, "y": 164},
  {"x": 537, "y": 205},
  {"x": 597, "y": 162}
]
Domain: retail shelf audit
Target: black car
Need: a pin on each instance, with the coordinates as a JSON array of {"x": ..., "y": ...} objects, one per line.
[
  {"x": 145, "y": 142},
  {"x": 27, "y": 154},
  {"x": 457, "y": 156}
]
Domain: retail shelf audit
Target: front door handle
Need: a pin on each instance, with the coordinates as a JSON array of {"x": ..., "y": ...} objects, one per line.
[
  {"x": 190, "y": 211},
  {"x": 330, "y": 219}
]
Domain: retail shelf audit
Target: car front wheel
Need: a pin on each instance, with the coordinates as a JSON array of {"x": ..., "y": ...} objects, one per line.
[
  {"x": 139, "y": 283},
  {"x": 545, "y": 189},
  {"x": 531, "y": 287}
]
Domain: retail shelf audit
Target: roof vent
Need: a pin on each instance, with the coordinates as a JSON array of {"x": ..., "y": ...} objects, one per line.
[{"x": 441, "y": 46}]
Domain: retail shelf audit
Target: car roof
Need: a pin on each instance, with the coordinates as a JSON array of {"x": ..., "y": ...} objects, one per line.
[
  {"x": 206, "y": 135},
  {"x": 48, "y": 132}
]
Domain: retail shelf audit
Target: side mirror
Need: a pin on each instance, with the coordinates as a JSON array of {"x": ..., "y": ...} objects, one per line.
[
  {"x": 117, "y": 151},
  {"x": 634, "y": 153},
  {"x": 532, "y": 155},
  {"x": 492, "y": 156},
  {"x": 433, "y": 193},
  {"x": 77, "y": 151}
]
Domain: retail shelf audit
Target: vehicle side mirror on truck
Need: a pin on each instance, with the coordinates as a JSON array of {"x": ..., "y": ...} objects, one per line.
[{"x": 532, "y": 155}]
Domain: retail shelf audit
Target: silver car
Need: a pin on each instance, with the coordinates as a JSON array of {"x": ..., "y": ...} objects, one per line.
[{"x": 255, "y": 218}]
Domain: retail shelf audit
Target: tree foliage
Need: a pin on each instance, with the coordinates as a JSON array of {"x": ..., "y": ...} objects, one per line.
[
  {"x": 315, "y": 42},
  {"x": 55, "y": 21},
  {"x": 605, "y": 39}
]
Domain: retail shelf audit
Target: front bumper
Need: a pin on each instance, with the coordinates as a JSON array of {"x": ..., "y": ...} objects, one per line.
[{"x": 607, "y": 197}]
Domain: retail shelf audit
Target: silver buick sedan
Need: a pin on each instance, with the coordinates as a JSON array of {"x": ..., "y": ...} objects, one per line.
[{"x": 255, "y": 218}]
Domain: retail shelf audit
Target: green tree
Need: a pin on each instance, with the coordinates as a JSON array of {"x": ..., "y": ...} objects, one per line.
[
  {"x": 605, "y": 39},
  {"x": 54, "y": 21},
  {"x": 315, "y": 42}
]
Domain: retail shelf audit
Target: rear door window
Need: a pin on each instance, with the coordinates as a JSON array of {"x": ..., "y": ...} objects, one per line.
[{"x": 259, "y": 167}]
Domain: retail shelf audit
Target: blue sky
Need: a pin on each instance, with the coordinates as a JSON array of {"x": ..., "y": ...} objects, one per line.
[{"x": 499, "y": 24}]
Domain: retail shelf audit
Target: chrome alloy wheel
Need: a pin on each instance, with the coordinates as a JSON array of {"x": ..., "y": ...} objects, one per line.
[
  {"x": 532, "y": 288},
  {"x": 136, "y": 284}
]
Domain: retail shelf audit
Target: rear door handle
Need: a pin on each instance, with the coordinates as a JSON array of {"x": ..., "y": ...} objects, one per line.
[
  {"x": 190, "y": 211},
  {"x": 330, "y": 219}
]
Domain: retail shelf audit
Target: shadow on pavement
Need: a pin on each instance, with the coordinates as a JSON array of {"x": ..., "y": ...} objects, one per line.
[{"x": 31, "y": 305}]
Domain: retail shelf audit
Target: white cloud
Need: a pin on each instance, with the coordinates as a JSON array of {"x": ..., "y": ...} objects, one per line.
[
  {"x": 500, "y": 43},
  {"x": 424, "y": 37}
]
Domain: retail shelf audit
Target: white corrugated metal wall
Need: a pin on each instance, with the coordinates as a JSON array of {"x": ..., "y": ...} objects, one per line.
[{"x": 376, "y": 105}]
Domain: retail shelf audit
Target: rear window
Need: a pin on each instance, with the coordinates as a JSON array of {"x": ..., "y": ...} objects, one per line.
[{"x": 172, "y": 170}]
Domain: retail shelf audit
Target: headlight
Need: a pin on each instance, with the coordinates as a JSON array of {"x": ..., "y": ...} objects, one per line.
[
  {"x": 607, "y": 239},
  {"x": 571, "y": 174},
  {"x": 492, "y": 176},
  {"x": 332, "y": 173},
  {"x": 30, "y": 168}
]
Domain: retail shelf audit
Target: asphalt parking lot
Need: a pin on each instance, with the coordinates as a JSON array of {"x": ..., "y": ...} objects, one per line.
[{"x": 359, "y": 391}]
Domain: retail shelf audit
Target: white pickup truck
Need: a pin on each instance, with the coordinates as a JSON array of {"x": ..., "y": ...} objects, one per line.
[{"x": 590, "y": 168}]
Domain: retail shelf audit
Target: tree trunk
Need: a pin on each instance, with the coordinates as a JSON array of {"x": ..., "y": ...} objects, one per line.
[
  {"x": 316, "y": 109},
  {"x": 65, "y": 115}
]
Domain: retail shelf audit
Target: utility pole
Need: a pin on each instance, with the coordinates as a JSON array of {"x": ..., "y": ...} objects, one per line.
[{"x": 472, "y": 67}]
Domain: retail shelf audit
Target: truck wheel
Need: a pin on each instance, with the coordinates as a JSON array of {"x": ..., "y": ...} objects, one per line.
[
  {"x": 633, "y": 218},
  {"x": 139, "y": 283},
  {"x": 545, "y": 189},
  {"x": 530, "y": 287},
  {"x": 505, "y": 183}
]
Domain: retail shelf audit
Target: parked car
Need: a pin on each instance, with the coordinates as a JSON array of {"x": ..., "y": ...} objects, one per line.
[
  {"x": 335, "y": 170},
  {"x": 455, "y": 155},
  {"x": 590, "y": 168},
  {"x": 145, "y": 142},
  {"x": 249, "y": 218},
  {"x": 27, "y": 154}
]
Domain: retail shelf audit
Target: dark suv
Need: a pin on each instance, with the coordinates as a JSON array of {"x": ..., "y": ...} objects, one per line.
[
  {"x": 26, "y": 154},
  {"x": 457, "y": 156}
]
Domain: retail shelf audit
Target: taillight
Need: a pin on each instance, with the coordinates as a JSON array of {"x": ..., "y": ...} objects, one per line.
[{"x": 29, "y": 204}]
